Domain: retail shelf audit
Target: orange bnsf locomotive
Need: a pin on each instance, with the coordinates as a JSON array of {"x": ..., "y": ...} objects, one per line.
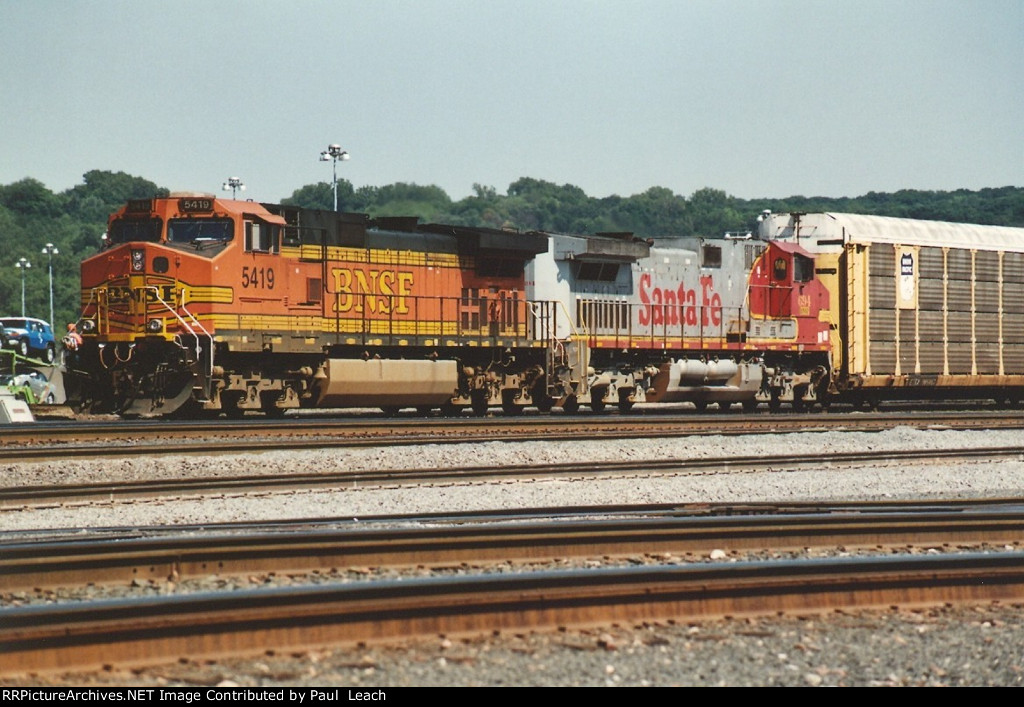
[{"x": 198, "y": 305}]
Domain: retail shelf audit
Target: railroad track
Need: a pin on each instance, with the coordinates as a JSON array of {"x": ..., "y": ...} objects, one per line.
[
  {"x": 114, "y": 438},
  {"x": 132, "y": 632},
  {"x": 91, "y": 634},
  {"x": 15, "y": 498},
  {"x": 534, "y": 536}
]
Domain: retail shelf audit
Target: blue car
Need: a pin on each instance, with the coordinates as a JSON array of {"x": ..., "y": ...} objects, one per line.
[{"x": 28, "y": 337}]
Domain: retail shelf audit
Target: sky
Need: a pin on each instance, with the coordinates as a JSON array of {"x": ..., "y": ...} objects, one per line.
[{"x": 757, "y": 98}]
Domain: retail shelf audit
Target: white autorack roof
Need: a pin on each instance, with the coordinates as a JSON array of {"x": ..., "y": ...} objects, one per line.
[{"x": 858, "y": 228}]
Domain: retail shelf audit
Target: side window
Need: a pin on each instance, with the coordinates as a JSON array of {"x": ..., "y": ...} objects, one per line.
[
  {"x": 260, "y": 237},
  {"x": 711, "y": 256},
  {"x": 597, "y": 271},
  {"x": 780, "y": 269},
  {"x": 803, "y": 268}
]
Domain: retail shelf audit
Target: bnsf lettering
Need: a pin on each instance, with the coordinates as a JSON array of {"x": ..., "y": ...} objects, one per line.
[
  {"x": 380, "y": 291},
  {"x": 151, "y": 293},
  {"x": 667, "y": 306}
]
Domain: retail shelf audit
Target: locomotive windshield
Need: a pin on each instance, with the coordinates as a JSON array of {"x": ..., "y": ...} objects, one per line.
[
  {"x": 187, "y": 230},
  {"x": 133, "y": 230}
]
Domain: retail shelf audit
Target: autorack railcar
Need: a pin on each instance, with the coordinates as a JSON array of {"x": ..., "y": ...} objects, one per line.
[{"x": 918, "y": 309}]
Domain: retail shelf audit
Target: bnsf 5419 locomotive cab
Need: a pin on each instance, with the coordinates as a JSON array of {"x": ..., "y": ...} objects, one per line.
[{"x": 149, "y": 298}]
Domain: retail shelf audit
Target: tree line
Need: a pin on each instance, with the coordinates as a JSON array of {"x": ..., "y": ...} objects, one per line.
[{"x": 31, "y": 216}]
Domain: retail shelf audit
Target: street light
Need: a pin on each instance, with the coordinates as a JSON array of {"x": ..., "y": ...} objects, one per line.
[
  {"x": 50, "y": 250},
  {"x": 234, "y": 184},
  {"x": 23, "y": 265},
  {"x": 334, "y": 153}
]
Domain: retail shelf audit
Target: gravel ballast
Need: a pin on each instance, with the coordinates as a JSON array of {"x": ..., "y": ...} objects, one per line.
[
  {"x": 974, "y": 646},
  {"x": 878, "y": 482}
]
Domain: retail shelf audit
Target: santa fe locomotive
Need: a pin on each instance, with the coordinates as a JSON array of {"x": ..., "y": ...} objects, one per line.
[{"x": 198, "y": 305}]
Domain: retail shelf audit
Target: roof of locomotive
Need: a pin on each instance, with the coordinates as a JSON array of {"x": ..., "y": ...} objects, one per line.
[{"x": 839, "y": 228}]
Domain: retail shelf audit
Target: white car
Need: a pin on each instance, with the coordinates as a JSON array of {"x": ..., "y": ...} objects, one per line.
[{"x": 32, "y": 387}]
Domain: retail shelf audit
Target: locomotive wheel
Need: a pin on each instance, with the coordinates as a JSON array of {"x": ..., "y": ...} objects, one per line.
[
  {"x": 541, "y": 399},
  {"x": 424, "y": 410},
  {"x": 701, "y": 405},
  {"x": 749, "y": 405},
  {"x": 625, "y": 405},
  {"x": 571, "y": 405},
  {"x": 597, "y": 405},
  {"x": 478, "y": 401},
  {"x": 229, "y": 404},
  {"x": 508, "y": 403},
  {"x": 390, "y": 410},
  {"x": 268, "y": 400},
  {"x": 724, "y": 406}
]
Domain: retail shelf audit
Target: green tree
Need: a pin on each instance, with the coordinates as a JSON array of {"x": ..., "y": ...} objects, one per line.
[
  {"x": 105, "y": 192},
  {"x": 30, "y": 197},
  {"x": 656, "y": 212},
  {"x": 403, "y": 199},
  {"x": 714, "y": 213},
  {"x": 321, "y": 196}
]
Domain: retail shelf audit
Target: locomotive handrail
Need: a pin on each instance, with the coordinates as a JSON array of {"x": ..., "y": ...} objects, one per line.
[
  {"x": 185, "y": 324},
  {"x": 94, "y": 293},
  {"x": 92, "y": 296},
  {"x": 209, "y": 371}
]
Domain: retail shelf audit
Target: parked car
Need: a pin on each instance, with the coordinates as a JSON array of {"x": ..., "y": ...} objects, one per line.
[
  {"x": 32, "y": 387},
  {"x": 29, "y": 337}
]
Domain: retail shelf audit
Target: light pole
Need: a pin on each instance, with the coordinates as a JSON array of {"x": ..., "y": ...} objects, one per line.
[
  {"x": 50, "y": 250},
  {"x": 23, "y": 265},
  {"x": 334, "y": 153},
  {"x": 234, "y": 184}
]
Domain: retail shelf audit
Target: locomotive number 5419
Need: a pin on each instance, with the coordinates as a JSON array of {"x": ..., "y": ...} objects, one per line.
[{"x": 258, "y": 277}]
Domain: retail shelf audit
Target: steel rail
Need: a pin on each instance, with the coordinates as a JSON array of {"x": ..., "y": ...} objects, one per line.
[
  {"x": 63, "y": 637},
  {"x": 37, "y": 440},
  {"x": 62, "y": 494},
  {"x": 108, "y": 560}
]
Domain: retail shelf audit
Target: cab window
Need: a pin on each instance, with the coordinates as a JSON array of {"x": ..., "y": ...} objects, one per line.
[
  {"x": 261, "y": 237},
  {"x": 190, "y": 230},
  {"x": 803, "y": 268},
  {"x": 125, "y": 230}
]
